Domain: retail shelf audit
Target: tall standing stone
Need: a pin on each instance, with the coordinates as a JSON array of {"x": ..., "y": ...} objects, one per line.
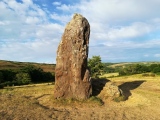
[{"x": 71, "y": 72}]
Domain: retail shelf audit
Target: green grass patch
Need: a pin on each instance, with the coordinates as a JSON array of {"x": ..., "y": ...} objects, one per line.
[
  {"x": 119, "y": 99},
  {"x": 95, "y": 100},
  {"x": 92, "y": 101}
]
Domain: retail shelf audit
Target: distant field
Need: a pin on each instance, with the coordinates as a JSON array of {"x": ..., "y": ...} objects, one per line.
[
  {"x": 18, "y": 65},
  {"x": 129, "y": 63}
]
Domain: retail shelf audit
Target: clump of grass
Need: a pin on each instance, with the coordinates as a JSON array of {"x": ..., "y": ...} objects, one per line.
[
  {"x": 148, "y": 75},
  {"x": 8, "y": 89},
  {"x": 68, "y": 102},
  {"x": 95, "y": 99},
  {"x": 92, "y": 101},
  {"x": 120, "y": 98}
]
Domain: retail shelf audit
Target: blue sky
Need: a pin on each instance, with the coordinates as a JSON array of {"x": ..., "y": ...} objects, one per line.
[{"x": 121, "y": 30}]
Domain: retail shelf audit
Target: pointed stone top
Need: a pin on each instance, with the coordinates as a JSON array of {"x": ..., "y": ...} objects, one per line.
[
  {"x": 76, "y": 15},
  {"x": 76, "y": 21}
]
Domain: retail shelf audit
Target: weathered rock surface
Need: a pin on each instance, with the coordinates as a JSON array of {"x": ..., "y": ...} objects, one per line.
[
  {"x": 71, "y": 72},
  {"x": 110, "y": 91}
]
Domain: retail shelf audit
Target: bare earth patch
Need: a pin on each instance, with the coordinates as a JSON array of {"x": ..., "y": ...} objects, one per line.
[{"x": 36, "y": 102}]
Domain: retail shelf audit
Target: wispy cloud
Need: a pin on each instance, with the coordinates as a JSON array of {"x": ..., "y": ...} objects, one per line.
[
  {"x": 27, "y": 34},
  {"x": 134, "y": 30},
  {"x": 56, "y": 3},
  {"x": 157, "y": 55},
  {"x": 62, "y": 18}
]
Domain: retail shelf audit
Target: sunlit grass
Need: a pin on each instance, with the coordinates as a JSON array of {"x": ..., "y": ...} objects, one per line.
[
  {"x": 109, "y": 75},
  {"x": 134, "y": 77}
]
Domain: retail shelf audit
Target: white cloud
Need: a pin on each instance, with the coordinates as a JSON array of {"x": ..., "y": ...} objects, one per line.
[
  {"x": 135, "y": 30},
  {"x": 64, "y": 7},
  {"x": 49, "y": 31},
  {"x": 18, "y": 8},
  {"x": 157, "y": 55},
  {"x": 114, "y": 11},
  {"x": 56, "y": 3},
  {"x": 26, "y": 33},
  {"x": 34, "y": 51},
  {"x": 32, "y": 20},
  {"x": 62, "y": 18},
  {"x": 24, "y": 20},
  {"x": 4, "y": 23},
  {"x": 123, "y": 44},
  {"x": 146, "y": 55},
  {"x": 114, "y": 19},
  {"x": 28, "y": 2}
]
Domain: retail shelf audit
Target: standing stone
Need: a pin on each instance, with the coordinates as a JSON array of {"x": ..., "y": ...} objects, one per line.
[{"x": 71, "y": 72}]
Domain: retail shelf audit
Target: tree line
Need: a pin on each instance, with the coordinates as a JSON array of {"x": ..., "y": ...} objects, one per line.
[
  {"x": 138, "y": 68},
  {"x": 98, "y": 68},
  {"x": 26, "y": 75}
]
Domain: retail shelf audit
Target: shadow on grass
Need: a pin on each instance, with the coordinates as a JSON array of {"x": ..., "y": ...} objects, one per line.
[
  {"x": 127, "y": 86},
  {"x": 97, "y": 85}
]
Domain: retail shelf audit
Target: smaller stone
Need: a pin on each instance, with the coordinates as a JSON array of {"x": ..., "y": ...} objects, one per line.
[{"x": 110, "y": 91}]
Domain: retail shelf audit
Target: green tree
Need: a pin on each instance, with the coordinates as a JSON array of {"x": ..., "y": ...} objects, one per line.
[
  {"x": 95, "y": 65},
  {"x": 37, "y": 74},
  {"x": 153, "y": 66},
  {"x": 156, "y": 70},
  {"x": 1, "y": 77},
  {"x": 23, "y": 78},
  {"x": 8, "y": 75},
  {"x": 134, "y": 69},
  {"x": 107, "y": 69}
]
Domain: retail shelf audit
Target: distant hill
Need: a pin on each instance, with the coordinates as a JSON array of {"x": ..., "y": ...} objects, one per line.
[
  {"x": 13, "y": 65},
  {"x": 123, "y": 64}
]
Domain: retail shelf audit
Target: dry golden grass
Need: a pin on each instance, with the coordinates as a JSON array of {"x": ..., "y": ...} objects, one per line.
[
  {"x": 109, "y": 75},
  {"x": 36, "y": 102}
]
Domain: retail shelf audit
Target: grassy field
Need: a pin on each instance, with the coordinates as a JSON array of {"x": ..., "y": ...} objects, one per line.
[{"x": 36, "y": 102}]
